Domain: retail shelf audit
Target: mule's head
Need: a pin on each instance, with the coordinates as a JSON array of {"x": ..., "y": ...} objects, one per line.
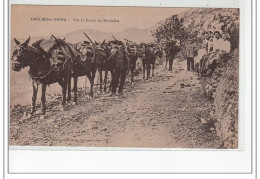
[{"x": 20, "y": 55}]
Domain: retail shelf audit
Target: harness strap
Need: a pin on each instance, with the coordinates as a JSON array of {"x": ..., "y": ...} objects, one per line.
[{"x": 40, "y": 77}]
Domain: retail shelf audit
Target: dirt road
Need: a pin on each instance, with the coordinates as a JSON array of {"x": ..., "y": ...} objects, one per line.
[{"x": 168, "y": 111}]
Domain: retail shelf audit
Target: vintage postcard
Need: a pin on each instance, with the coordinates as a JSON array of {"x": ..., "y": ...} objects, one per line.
[{"x": 137, "y": 77}]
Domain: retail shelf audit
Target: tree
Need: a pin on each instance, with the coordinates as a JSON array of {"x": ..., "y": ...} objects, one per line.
[
  {"x": 230, "y": 25},
  {"x": 171, "y": 28}
]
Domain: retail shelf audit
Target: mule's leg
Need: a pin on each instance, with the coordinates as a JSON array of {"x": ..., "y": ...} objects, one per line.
[
  {"x": 115, "y": 80},
  {"x": 105, "y": 81},
  {"x": 75, "y": 89},
  {"x": 86, "y": 81},
  {"x": 69, "y": 88},
  {"x": 170, "y": 63},
  {"x": 143, "y": 71},
  {"x": 122, "y": 80},
  {"x": 132, "y": 75},
  {"x": 100, "y": 80},
  {"x": 91, "y": 79},
  {"x": 43, "y": 98},
  {"x": 93, "y": 75},
  {"x": 112, "y": 79},
  {"x": 64, "y": 89},
  {"x": 133, "y": 70},
  {"x": 34, "y": 97},
  {"x": 166, "y": 58},
  {"x": 153, "y": 69},
  {"x": 148, "y": 71}
]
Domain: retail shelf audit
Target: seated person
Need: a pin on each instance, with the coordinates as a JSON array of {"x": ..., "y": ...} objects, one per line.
[{"x": 221, "y": 46}]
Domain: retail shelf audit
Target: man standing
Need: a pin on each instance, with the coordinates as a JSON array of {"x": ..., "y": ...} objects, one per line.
[
  {"x": 149, "y": 57},
  {"x": 190, "y": 53},
  {"x": 120, "y": 67},
  {"x": 210, "y": 40}
]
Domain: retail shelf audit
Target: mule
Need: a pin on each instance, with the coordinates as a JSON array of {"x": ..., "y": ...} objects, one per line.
[
  {"x": 148, "y": 61},
  {"x": 105, "y": 63},
  {"x": 85, "y": 65},
  {"x": 172, "y": 49},
  {"x": 46, "y": 67},
  {"x": 133, "y": 53}
]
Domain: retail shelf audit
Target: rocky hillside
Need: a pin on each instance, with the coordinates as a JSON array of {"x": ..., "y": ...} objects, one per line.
[
  {"x": 222, "y": 85},
  {"x": 226, "y": 104},
  {"x": 208, "y": 18}
]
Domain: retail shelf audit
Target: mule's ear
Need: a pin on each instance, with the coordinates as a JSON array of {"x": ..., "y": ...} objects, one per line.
[
  {"x": 27, "y": 41},
  {"x": 64, "y": 38},
  {"x": 103, "y": 42},
  {"x": 16, "y": 41}
]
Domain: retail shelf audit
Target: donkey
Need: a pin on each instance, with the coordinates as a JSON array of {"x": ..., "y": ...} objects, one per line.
[
  {"x": 172, "y": 49},
  {"x": 46, "y": 67},
  {"x": 148, "y": 60}
]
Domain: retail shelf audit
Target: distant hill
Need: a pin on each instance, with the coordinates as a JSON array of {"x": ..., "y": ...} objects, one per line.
[{"x": 133, "y": 34}]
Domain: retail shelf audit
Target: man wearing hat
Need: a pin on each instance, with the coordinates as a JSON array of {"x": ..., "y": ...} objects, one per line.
[
  {"x": 120, "y": 59},
  {"x": 190, "y": 53}
]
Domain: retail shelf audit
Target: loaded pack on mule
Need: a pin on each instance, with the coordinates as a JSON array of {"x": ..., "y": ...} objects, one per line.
[
  {"x": 105, "y": 62},
  {"x": 49, "y": 62},
  {"x": 85, "y": 65},
  {"x": 110, "y": 56}
]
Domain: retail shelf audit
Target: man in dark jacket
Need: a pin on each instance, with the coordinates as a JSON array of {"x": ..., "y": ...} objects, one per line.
[{"x": 120, "y": 67}]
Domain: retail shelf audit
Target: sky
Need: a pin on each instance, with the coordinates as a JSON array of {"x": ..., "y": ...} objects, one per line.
[{"x": 26, "y": 20}]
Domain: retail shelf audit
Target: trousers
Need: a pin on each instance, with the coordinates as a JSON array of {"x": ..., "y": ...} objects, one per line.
[
  {"x": 170, "y": 63},
  {"x": 118, "y": 79},
  {"x": 190, "y": 63}
]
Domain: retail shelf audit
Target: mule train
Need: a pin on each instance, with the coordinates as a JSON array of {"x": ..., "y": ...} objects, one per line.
[{"x": 54, "y": 60}]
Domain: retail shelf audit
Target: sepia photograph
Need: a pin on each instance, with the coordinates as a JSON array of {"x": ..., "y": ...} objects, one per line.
[{"x": 134, "y": 77}]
